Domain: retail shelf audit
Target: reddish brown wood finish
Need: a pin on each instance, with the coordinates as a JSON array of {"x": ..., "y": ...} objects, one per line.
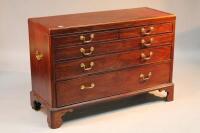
[
  {"x": 41, "y": 70},
  {"x": 109, "y": 84},
  {"x": 68, "y": 40},
  {"x": 56, "y": 73},
  {"x": 73, "y": 52},
  {"x": 106, "y": 63},
  {"x": 170, "y": 94},
  {"x": 136, "y": 32},
  {"x": 93, "y": 21}
]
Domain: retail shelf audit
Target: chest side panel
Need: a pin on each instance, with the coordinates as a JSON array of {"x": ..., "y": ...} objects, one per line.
[{"x": 40, "y": 59}]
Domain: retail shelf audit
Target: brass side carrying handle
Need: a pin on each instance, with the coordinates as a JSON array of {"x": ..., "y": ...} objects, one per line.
[
  {"x": 83, "y": 51},
  {"x": 83, "y": 87},
  {"x": 38, "y": 55},
  {"x": 147, "y": 44},
  {"x": 87, "y": 68},
  {"x": 83, "y": 38},
  {"x": 145, "y": 78},
  {"x": 144, "y": 57},
  {"x": 148, "y": 31}
]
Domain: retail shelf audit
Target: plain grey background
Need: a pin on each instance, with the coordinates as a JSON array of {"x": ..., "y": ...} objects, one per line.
[{"x": 182, "y": 115}]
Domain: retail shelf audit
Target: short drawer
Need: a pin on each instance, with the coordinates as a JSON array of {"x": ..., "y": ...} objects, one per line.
[
  {"x": 113, "y": 83},
  {"x": 146, "y": 30},
  {"x": 80, "y": 67},
  {"x": 84, "y": 38},
  {"x": 88, "y": 50}
]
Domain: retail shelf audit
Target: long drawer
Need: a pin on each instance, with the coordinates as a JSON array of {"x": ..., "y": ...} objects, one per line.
[
  {"x": 113, "y": 83},
  {"x": 94, "y": 49},
  {"x": 76, "y": 68}
]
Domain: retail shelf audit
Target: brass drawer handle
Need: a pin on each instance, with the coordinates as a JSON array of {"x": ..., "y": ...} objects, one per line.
[
  {"x": 145, "y": 43},
  {"x": 148, "y": 31},
  {"x": 145, "y": 78},
  {"x": 145, "y": 57},
  {"x": 87, "y": 68},
  {"x": 83, "y": 38},
  {"x": 38, "y": 55},
  {"x": 83, "y": 87},
  {"x": 83, "y": 51}
]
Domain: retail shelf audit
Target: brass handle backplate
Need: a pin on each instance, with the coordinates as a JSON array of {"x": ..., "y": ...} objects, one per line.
[
  {"x": 147, "y": 44},
  {"x": 145, "y": 78},
  {"x": 83, "y": 51},
  {"x": 38, "y": 55},
  {"x": 144, "y": 57},
  {"x": 83, "y": 87},
  {"x": 83, "y": 38},
  {"x": 147, "y": 31},
  {"x": 87, "y": 68}
]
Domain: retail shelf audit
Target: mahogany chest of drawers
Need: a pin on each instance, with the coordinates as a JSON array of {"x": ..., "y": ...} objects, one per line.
[{"x": 89, "y": 58}]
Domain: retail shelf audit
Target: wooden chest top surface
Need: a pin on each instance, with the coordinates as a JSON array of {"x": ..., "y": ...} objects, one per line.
[{"x": 53, "y": 23}]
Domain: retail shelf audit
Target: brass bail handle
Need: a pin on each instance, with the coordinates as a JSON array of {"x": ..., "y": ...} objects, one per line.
[
  {"x": 83, "y": 87},
  {"x": 148, "y": 31},
  {"x": 38, "y": 55},
  {"x": 83, "y": 38},
  {"x": 147, "y": 44},
  {"x": 83, "y": 51},
  {"x": 144, "y": 57},
  {"x": 85, "y": 68},
  {"x": 144, "y": 77}
]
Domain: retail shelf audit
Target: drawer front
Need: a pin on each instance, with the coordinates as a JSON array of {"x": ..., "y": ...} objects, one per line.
[
  {"x": 85, "y": 38},
  {"x": 76, "y": 68},
  {"x": 146, "y": 30},
  {"x": 113, "y": 83},
  {"x": 89, "y": 50}
]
